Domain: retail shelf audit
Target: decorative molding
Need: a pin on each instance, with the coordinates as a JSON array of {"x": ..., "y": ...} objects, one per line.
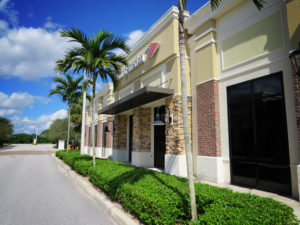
[
  {"x": 205, "y": 33},
  {"x": 155, "y": 28},
  {"x": 205, "y": 44},
  {"x": 240, "y": 70},
  {"x": 205, "y": 81}
]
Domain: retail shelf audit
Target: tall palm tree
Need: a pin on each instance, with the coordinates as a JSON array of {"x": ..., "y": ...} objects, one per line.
[
  {"x": 187, "y": 138},
  {"x": 95, "y": 57},
  {"x": 258, "y": 3},
  {"x": 76, "y": 112},
  {"x": 189, "y": 160},
  {"x": 69, "y": 90}
]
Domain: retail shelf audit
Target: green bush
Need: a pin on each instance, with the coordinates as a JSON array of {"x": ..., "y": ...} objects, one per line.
[
  {"x": 82, "y": 166},
  {"x": 158, "y": 198},
  {"x": 74, "y": 155},
  {"x": 60, "y": 154}
]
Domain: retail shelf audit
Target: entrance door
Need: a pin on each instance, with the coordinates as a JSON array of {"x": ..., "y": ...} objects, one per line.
[
  {"x": 130, "y": 137},
  {"x": 258, "y": 135},
  {"x": 159, "y": 146}
]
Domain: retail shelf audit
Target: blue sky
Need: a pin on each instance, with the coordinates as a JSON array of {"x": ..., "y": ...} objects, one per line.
[{"x": 30, "y": 44}]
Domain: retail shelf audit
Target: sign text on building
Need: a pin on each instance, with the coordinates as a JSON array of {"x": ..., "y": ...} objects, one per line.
[{"x": 133, "y": 65}]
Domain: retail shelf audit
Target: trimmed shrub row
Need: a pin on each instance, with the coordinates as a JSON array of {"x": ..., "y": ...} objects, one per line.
[{"x": 158, "y": 198}]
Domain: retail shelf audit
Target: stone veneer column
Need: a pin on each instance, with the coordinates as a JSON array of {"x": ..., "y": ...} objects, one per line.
[
  {"x": 120, "y": 134},
  {"x": 109, "y": 134},
  {"x": 208, "y": 119},
  {"x": 175, "y": 133},
  {"x": 142, "y": 130}
]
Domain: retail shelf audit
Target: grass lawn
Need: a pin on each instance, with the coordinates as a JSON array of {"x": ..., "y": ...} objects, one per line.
[{"x": 159, "y": 198}]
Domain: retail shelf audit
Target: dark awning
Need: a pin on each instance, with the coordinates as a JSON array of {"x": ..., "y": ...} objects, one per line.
[{"x": 140, "y": 97}]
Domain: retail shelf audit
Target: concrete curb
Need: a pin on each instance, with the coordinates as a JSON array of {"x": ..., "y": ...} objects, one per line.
[{"x": 114, "y": 210}]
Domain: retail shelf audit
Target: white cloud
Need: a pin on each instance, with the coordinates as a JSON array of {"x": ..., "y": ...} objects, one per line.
[
  {"x": 7, "y": 10},
  {"x": 8, "y": 112},
  {"x": 3, "y": 4},
  {"x": 134, "y": 36},
  {"x": 3, "y": 27},
  {"x": 17, "y": 102},
  {"x": 50, "y": 25},
  {"x": 29, "y": 126},
  {"x": 131, "y": 39},
  {"x": 31, "y": 53}
]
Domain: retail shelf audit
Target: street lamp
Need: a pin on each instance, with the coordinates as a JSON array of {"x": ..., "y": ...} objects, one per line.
[
  {"x": 161, "y": 121},
  {"x": 295, "y": 59},
  {"x": 106, "y": 129},
  {"x": 106, "y": 126}
]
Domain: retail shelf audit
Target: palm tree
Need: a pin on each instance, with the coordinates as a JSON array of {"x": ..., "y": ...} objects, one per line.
[
  {"x": 70, "y": 91},
  {"x": 76, "y": 112},
  {"x": 189, "y": 160},
  {"x": 95, "y": 57},
  {"x": 258, "y": 3}
]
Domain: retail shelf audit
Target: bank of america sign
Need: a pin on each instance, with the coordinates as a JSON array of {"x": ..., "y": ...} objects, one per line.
[{"x": 152, "y": 48}]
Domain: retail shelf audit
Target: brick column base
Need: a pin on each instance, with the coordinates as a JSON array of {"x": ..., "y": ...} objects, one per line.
[
  {"x": 208, "y": 119},
  {"x": 142, "y": 129}
]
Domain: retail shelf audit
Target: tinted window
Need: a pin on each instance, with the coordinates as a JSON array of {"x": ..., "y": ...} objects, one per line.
[
  {"x": 267, "y": 86},
  {"x": 258, "y": 134}
]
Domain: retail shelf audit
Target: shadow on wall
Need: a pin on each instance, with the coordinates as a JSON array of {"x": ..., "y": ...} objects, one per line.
[{"x": 295, "y": 39}]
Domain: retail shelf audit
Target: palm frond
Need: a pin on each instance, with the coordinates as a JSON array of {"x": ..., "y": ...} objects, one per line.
[
  {"x": 76, "y": 35},
  {"x": 258, "y": 3}
]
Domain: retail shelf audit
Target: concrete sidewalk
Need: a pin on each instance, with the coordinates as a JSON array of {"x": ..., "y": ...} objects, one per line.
[{"x": 112, "y": 209}]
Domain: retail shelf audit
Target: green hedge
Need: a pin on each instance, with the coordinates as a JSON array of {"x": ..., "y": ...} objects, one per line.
[
  {"x": 60, "y": 154},
  {"x": 82, "y": 166},
  {"x": 158, "y": 198},
  {"x": 74, "y": 155}
]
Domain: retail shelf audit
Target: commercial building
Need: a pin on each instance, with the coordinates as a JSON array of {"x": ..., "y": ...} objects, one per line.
[
  {"x": 103, "y": 125},
  {"x": 243, "y": 99}
]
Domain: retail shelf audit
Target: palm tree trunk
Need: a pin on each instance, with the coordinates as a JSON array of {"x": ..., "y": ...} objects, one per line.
[
  {"x": 189, "y": 159},
  {"x": 83, "y": 119},
  {"x": 93, "y": 126},
  {"x": 69, "y": 122}
]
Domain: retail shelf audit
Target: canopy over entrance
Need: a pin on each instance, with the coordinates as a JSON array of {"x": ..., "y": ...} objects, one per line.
[{"x": 140, "y": 97}]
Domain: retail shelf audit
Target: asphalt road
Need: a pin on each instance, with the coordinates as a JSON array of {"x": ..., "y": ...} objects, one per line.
[{"x": 35, "y": 191}]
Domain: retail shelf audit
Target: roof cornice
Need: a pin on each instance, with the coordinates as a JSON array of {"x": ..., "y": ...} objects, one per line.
[
  {"x": 205, "y": 14},
  {"x": 154, "y": 29}
]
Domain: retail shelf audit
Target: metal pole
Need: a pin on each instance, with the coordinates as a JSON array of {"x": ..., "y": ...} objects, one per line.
[{"x": 36, "y": 136}]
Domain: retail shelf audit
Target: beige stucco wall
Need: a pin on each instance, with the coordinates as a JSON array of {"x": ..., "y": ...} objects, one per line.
[
  {"x": 257, "y": 39},
  {"x": 204, "y": 64},
  {"x": 168, "y": 53},
  {"x": 293, "y": 17},
  {"x": 166, "y": 49}
]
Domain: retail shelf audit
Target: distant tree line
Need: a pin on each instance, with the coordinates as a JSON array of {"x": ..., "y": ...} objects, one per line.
[
  {"x": 6, "y": 130},
  {"x": 57, "y": 131},
  {"x": 22, "y": 138}
]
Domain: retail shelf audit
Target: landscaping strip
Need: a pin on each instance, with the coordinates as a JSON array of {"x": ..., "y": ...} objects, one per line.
[{"x": 158, "y": 198}]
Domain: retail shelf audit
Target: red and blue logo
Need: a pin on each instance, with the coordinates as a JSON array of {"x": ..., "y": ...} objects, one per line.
[{"x": 152, "y": 48}]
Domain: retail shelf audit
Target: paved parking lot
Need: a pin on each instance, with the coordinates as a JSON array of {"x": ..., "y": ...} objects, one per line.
[{"x": 34, "y": 190}]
